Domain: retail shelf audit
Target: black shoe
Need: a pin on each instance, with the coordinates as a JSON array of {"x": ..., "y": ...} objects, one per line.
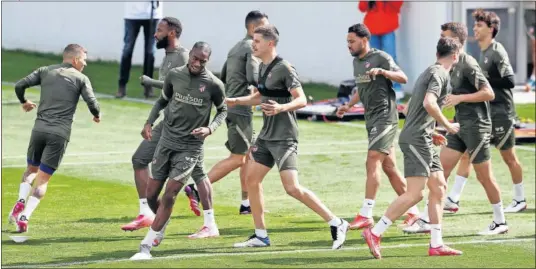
[{"x": 244, "y": 210}]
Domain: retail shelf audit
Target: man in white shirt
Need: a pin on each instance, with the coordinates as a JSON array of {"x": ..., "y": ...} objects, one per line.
[{"x": 138, "y": 14}]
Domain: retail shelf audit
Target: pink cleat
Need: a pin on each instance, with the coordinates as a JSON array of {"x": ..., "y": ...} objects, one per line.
[
  {"x": 141, "y": 221},
  {"x": 205, "y": 232},
  {"x": 17, "y": 209}
]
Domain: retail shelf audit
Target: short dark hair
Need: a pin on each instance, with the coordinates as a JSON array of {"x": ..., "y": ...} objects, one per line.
[
  {"x": 174, "y": 24},
  {"x": 360, "y": 30},
  {"x": 255, "y": 16},
  {"x": 73, "y": 50},
  {"x": 268, "y": 32},
  {"x": 447, "y": 46},
  {"x": 204, "y": 46},
  {"x": 490, "y": 18},
  {"x": 458, "y": 29}
]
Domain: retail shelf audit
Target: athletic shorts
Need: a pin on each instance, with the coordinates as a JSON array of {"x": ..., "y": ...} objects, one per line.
[
  {"x": 502, "y": 134},
  {"x": 381, "y": 137},
  {"x": 282, "y": 153},
  {"x": 420, "y": 160},
  {"x": 47, "y": 149},
  {"x": 145, "y": 151},
  {"x": 178, "y": 165},
  {"x": 474, "y": 140},
  {"x": 239, "y": 133}
]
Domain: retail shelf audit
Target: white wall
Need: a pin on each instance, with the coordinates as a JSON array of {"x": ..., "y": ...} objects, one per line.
[{"x": 313, "y": 34}]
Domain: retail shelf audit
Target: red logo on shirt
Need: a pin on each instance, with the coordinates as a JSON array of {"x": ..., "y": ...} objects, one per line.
[
  {"x": 367, "y": 64},
  {"x": 202, "y": 88}
]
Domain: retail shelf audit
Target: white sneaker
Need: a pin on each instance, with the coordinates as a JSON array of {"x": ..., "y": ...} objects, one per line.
[
  {"x": 516, "y": 206},
  {"x": 254, "y": 241},
  {"x": 205, "y": 232},
  {"x": 338, "y": 233},
  {"x": 495, "y": 228},
  {"x": 420, "y": 226},
  {"x": 451, "y": 206},
  {"x": 144, "y": 254}
]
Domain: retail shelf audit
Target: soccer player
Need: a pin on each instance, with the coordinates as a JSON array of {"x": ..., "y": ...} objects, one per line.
[
  {"x": 280, "y": 94},
  {"x": 61, "y": 88},
  {"x": 188, "y": 95},
  {"x": 496, "y": 67},
  {"x": 239, "y": 72},
  {"x": 167, "y": 34},
  {"x": 421, "y": 161},
  {"x": 470, "y": 96},
  {"x": 374, "y": 71}
]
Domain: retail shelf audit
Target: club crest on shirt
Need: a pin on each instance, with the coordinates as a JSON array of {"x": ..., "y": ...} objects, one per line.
[
  {"x": 202, "y": 88},
  {"x": 254, "y": 148},
  {"x": 367, "y": 64},
  {"x": 169, "y": 65},
  {"x": 485, "y": 60},
  {"x": 270, "y": 75}
]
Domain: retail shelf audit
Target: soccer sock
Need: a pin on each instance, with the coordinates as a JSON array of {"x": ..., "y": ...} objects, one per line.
[
  {"x": 498, "y": 213},
  {"x": 144, "y": 208},
  {"x": 457, "y": 189},
  {"x": 519, "y": 194},
  {"x": 424, "y": 213},
  {"x": 31, "y": 205},
  {"x": 261, "y": 233},
  {"x": 436, "y": 236},
  {"x": 381, "y": 226},
  {"x": 245, "y": 202},
  {"x": 414, "y": 210},
  {"x": 366, "y": 210},
  {"x": 335, "y": 222},
  {"x": 24, "y": 191},
  {"x": 209, "y": 218},
  {"x": 150, "y": 237}
]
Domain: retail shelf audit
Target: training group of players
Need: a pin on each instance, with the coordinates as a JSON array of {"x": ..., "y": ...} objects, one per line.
[{"x": 254, "y": 74}]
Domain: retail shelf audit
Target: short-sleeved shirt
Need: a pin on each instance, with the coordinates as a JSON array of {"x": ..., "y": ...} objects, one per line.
[
  {"x": 419, "y": 125},
  {"x": 283, "y": 126},
  {"x": 466, "y": 77},
  {"x": 378, "y": 96},
  {"x": 495, "y": 63},
  {"x": 190, "y": 103}
]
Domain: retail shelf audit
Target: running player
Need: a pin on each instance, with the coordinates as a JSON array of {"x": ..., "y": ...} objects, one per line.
[
  {"x": 421, "y": 161},
  {"x": 239, "y": 72},
  {"x": 374, "y": 71},
  {"x": 167, "y": 34},
  {"x": 496, "y": 67},
  {"x": 189, "y": 93},
  {"x": 470, "y": 96},
  {"x": 280, "y": 95},
  {"x": 61, "y": 88}
]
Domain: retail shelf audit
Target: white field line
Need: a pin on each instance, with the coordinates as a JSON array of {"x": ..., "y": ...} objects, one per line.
[
  {"x": 206, "y": 158},
  {"x": 300, "y": 145},
  {"x": 257, "y": 253}
]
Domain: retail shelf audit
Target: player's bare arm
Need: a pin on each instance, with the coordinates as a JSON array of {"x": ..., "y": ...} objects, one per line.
[
  {"x": 32, "y": 79},
  {"x": 147, "y": 81},
  {"x": 397, "y": 76},
  {"x": 344, "y": 108},
  {"x": 431, "y": 106},
  {"x": 89, "y": 97},
  {"x": 477, "y": 78},
  {"x": 273, "y": 108},
  {"x": 250, "y": 100}
]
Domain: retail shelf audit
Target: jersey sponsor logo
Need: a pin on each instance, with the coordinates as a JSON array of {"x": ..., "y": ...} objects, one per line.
[
  {"x": 188, "y": 99},
  {"x": 363, "y": 79}
]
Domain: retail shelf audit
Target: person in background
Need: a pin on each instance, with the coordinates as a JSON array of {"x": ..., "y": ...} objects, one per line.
[
  {"x": 531, "y": 82},
  {"x": 381, "y": 18},
  {"x": 138, "y": 14}
]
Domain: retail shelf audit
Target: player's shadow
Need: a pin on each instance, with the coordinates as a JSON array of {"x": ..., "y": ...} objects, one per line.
[
  {"x": 249, "y": 231},
  {"x": 313, "y": 262},
  {"x": 52, "y": 240},
  {"x": 124, "y": 219}
]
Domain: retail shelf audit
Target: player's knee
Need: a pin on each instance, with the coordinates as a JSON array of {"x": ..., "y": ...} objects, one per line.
[
  {"x": 293, "y": 190},
  {"x": 237, "y": 159},
  {"x": 510, "y": 160},
  {"x": 167, "y": 200}
]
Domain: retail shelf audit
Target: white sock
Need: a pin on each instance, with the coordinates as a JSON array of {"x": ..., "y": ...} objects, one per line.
[
  {"x": 24, "y": 191},
  {"x": 31, "y": 205},
  {"x": 436, "y": 236},
  {"x": 366, "y": 210},
  {"x": 261, "y": 233},
  {"x": 245, "y": 202},
  {"x": 424, "y": 213},
  {"x": 381, "y": 226},
  {"x": 498, "y": 213},
  {"x": 457, "y": 189},
  {"x": 519, "y": 194},
  {"x": 144, "y": 208},
  {"x": 149, "y": 238},
  {"x": 414, "y": 210},
  {"x": 209, "y": 218},
  {"x": 335, "y": 222}
]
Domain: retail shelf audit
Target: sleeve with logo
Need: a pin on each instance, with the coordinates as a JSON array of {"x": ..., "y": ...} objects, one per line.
[
  {"x": 474, "y": 74},
  {"x": 86, "y": 91},
  {"x": 217, "y": 95},
  {"x": 389, "y": 63}
]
